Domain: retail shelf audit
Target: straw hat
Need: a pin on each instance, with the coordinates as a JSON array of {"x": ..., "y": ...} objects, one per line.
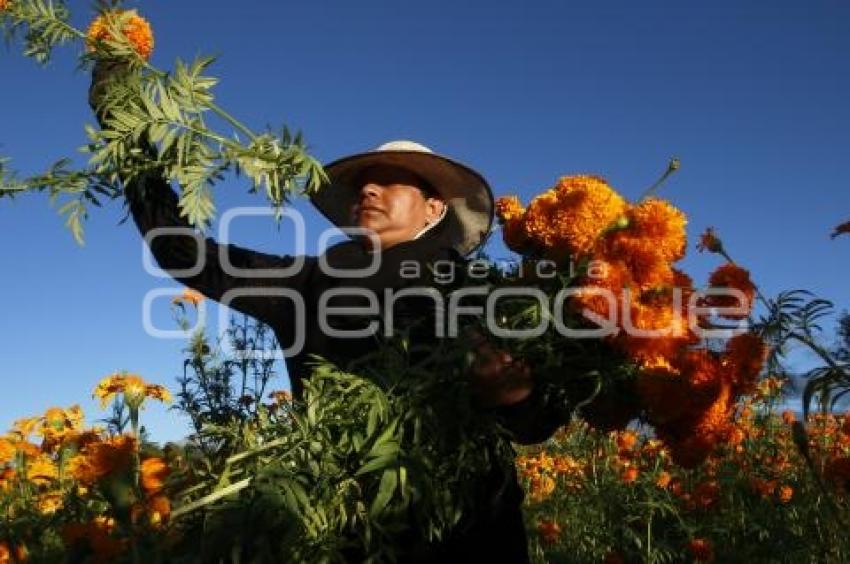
[{"x": 469, "y": 198}]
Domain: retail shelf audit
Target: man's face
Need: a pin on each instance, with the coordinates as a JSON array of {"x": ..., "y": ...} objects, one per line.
[{"x": 392, "y": 204}]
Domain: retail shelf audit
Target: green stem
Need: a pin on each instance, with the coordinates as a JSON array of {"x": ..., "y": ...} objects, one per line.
[
  {"x": 672, "y": 167},
  {"x": 215, "y": 496}
]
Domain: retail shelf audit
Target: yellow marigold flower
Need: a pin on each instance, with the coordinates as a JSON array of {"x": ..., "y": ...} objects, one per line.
[
  {"x": 49, "y": 503},
  {"x": 189, "y": 295},
  {"x": 7, "y": 451},
  {"x": 154, "y": 472},
  {"x": 7, "y": 475},
  {"x": 101, "y": 459},
  {"x": 709, "y": 241},
  {"x": 136, "y": 29},
  {"x": 42, "y": 470},
  {"x": 134, "y": 388},
  {"x": 23, "y": 428},
  {"x": 57, "y": 424}
]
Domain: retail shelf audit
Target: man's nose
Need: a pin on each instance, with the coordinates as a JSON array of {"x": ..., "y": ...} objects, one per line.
[{"x": 370, "y": 190}]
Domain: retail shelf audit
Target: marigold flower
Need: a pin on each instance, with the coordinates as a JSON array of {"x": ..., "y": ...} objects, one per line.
[
  {"x": 663, "y": 479},
  {"x": 745, "y": 356},
  {"x": 154, "y": 472},
  {"x": 626, "y": 440},
  {"x": 189, "y": 295},
  {"x": 101, "y": 459},
  {"x": 731, "y": 276},
  {"x": 95, "y": 536},
  {"x": 785, "y": 493},
  {"x": 656, "y": 228},
  {"x": 7, "y": 451},
  {"x": 568, "y": 219},
  {"x": 49, "y": 503},
  {"x": 509, "y": 208},
  {"x": 42, "y": 470},
  {"x": 135, "y": 29},
  {"x": 630, "y": 475},
  {"x": 788, "y": 417},
  {"x": 4, "y": 4},
  {"x": 134, "y": 388},
  {"x": 701, "y": 549},
  {"x": 709, "y": 241},
  {"x": 549, "y": 531}
]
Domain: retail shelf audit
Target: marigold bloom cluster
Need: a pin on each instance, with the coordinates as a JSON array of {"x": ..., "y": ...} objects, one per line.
[
  {"x": 688, "y": 393},
  {"x": 136, "y": 30},
  {"x": 4, "y": 4}
]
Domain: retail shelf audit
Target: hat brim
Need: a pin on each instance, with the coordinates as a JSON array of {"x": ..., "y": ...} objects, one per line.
[{"x": 467, "y": 194}]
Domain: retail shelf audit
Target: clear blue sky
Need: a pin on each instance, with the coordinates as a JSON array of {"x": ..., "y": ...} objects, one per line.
[{"x": 752, "y": 96}]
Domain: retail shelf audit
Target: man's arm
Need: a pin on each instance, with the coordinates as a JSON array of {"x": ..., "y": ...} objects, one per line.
[{"x": 220, "y": 272}]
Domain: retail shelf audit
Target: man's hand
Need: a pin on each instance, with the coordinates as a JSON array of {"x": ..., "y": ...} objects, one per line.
[{"x": 497, "y": 378}]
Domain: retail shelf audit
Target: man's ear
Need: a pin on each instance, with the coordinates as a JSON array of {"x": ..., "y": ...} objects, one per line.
[{"x": 434, "y": 209}]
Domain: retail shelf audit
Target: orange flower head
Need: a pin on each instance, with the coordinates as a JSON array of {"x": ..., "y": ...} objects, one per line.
[
  {"x": 744, "y": 357},
  {"x": 189, "y": 295},
  {"x": 663, "y": 480},
  {"x": 7, "y": 451},
  {"x": 549, "y": 531},
  {"x": 134, "y": 28},
  {"x": 731, "y": 276},
  {"x": 630, "y": 475},
  {"x": 570, "y": 218},
  {"x": 4, "y": 5},
  {"x": 154, "y": 472},
  {"x": 710, "y": 242},
  {"x": 701, "y": 549},
  {"x": 788, "y": 417},
  {"x": 626, "y": 440},
  {"x": 101, "y": 459},
  {"x": 509, "y": 208},
  {"x": 785, "y": 493}
]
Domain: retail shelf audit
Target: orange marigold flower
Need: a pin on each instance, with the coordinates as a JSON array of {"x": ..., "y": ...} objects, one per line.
[
  {"x": 663, "y": 479},
  {"x": 509, "y": 208},
  {"x": 707, "y": 494},
  {"x": 745, "y": 356},
  {"x": 614, "y": 557},
  {"x": 96, "y": 536},
  {"x": 709, "y": 241},
  {"x": 549, "y": 531},
  {"x": 281, "y": 397},
  {"x": 134, "y": 388},
  {"x": 154, "y": 472},
  {"x": 4, "y": 4},
  {"x": 569, "y": 219},
  {"x": 101, "y": 459},
  {"x": 701, "y": 549},
  {"x": 843, "y": 228},
  {"x": 189, "y": 295},
  {"x": 626, "y": 440},
  {"x": 159, "y": 510},
  {"x": 630, "y": 475},
  {"x": 731, "y": 276},
  {"x": 661, "y": 224},
  {"x": 135, "y": 29},
  {"x": 785, "y": 493}
]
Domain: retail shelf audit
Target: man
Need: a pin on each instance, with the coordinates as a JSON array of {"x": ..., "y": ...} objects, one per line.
[{"x": 410, "y": 205}]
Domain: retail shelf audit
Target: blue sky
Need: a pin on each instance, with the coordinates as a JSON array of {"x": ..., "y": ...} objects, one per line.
[{"x": 751, "y": 96}]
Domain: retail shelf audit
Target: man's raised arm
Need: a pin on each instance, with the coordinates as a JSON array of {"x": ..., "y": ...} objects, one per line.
[{"x": 220, "y": 272}]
